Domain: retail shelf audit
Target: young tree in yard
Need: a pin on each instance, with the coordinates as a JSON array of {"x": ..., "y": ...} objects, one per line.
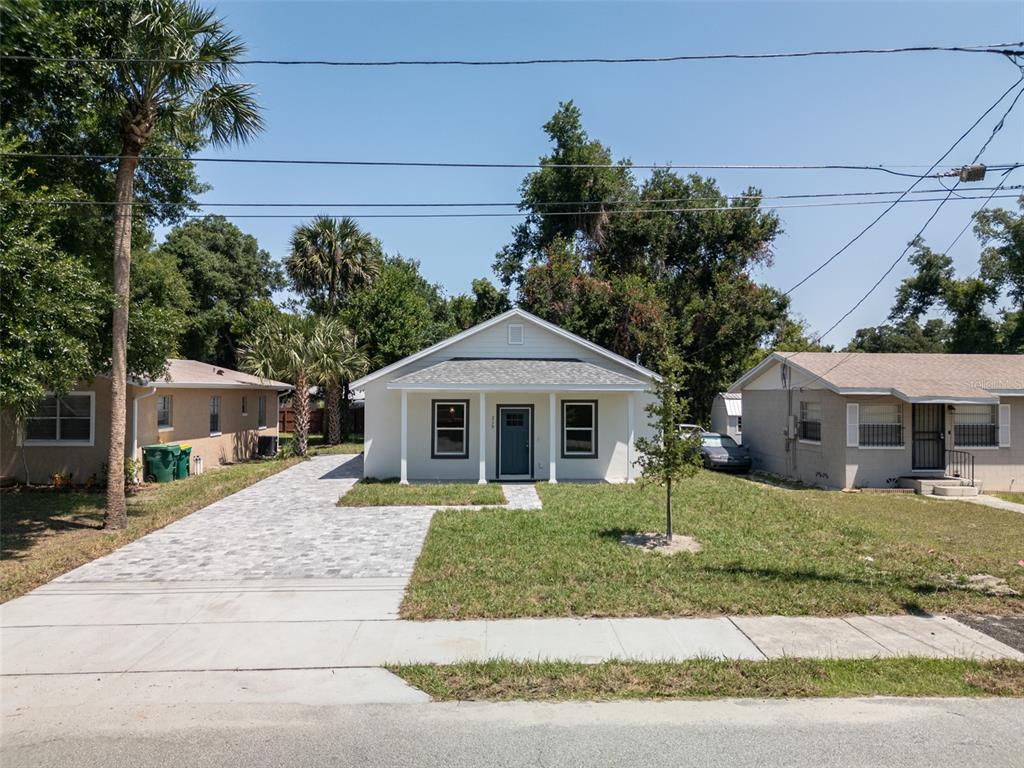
[
  {"x": 329, "y": 259},
  {"x": 672, "y": 454},
  {"x": 281, "y": 349},
  {"x": 175, "y": 79},
  {"x": 335, "y": 359}
]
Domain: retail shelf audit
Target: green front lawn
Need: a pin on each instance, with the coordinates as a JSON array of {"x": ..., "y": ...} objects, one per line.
[
  {"x": 703, "y": 679},
  {"x": 46, "y": 533},
  {"x": 767, "y": 550},
  {"x": 388, "y": 493}
]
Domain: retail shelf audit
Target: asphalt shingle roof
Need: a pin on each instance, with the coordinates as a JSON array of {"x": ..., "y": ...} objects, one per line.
[
  {"x": 518, "y": 372},
  {"x": 916, "y": 375},
  {"x": 194, "y": 373}
]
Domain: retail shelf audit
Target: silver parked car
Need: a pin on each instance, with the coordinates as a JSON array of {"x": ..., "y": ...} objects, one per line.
[{"x": 722, "y": 452}]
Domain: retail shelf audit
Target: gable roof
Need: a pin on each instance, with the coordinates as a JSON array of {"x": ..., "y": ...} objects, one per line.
[
  {"x": 515, "y": 312},
  {"x": 914, "y": 377},
  {"x": 193, "y": 373},
  {"x": 522, "y": 373}
]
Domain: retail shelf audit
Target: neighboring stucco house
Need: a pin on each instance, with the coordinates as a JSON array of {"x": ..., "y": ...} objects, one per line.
[
  {"x": 848, "y": 419},
  {"x": 219, "y": 412},
  {"x": 727, "y": 415},
  {"x": 514, "y": 397}
]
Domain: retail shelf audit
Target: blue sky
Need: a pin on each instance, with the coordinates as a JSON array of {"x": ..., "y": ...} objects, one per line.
[{"x": 899, "y": 110}]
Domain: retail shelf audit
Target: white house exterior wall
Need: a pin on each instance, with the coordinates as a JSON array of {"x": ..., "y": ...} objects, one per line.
[{"x": 382, "y": 435}]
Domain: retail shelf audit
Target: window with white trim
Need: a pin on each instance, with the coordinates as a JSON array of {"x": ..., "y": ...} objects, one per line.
[
  {"x": 975, "y": 426},
  {"x": 67, "y": 419},
  {"x": 579, "y": 429},
  {"x": 261, "y": 412},
  {"x": 215, "y": 415},
  {"x": 881, "y": 425},
  {"x": 810, "y": 421},
  {"x": 450, "y": 428},
  {"x": 245, "y": 405},
  {"x": 164, "y": 411}
]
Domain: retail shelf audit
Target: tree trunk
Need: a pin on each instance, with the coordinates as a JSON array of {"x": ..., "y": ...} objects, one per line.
[
  {"x": 333, "y": 408},
  {"x": 301, "y": 405},
  {"x": 117, "y": 513},
  {"x": 668, "y": 511}
]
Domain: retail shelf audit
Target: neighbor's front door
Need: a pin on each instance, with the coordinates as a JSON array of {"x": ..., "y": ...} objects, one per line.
[
  {"x": 514, "y": 441},
  {"x": 929, "y": 428}
]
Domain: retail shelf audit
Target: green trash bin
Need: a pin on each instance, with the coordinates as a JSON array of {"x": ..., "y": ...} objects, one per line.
[
  {"x": 183, "y": 462},
  {"x": 161, "y": 461}
]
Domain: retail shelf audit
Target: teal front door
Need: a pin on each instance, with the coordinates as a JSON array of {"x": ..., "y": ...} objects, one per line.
[{"x": 514, "y": 429}]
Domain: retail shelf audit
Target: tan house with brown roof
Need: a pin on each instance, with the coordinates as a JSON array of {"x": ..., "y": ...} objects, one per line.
[
  {"x": 854, "y": 419},
  {"x": 219, "y": 412}
]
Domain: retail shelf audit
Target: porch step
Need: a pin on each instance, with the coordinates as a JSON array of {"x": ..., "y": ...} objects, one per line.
[
  {"x": 939, "y": 486},
  {"x": 954, "y": 490}
]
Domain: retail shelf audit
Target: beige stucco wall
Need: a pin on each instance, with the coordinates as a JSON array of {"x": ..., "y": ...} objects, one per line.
[
  {"x": 191, "y": 425},
  {"x": 191, "y": 422},
  {"x": 832, "y": 464}
]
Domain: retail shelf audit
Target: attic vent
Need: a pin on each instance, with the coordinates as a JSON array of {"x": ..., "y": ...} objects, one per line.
[{"x": 515, "y": 334}]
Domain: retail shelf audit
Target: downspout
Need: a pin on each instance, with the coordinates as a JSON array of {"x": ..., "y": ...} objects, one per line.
[{"x": 135, "y": 421}]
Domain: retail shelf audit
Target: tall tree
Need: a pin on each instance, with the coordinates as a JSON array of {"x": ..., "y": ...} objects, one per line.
[
  {"x": 644, "y": 267},
  {"x": 485, "y": 302},
  {"x": 329, "y": 259},
  {"x": 50, "y": 313},
  {"x": 671, "y": 454},
  {"x": 227, "y": 275},
  {"x": 176, "y": 77},
  {"x": 399, "y": 314}
]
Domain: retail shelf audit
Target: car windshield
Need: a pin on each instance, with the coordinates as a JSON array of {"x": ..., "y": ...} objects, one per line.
[{"x": 718, "y": 441}]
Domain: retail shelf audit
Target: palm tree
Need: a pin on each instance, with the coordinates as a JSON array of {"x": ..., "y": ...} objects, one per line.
[
  {"x": 280, "y": 349},
  {"x": 335, "y": 359},
  {"x": 329, "y": 259},
  {"x": 178, "y": 60}
]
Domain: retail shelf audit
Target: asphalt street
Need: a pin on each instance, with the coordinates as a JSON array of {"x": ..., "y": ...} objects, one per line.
[{"x": 895, "y": 733}]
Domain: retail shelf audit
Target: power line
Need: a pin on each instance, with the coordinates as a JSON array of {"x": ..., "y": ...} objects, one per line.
[
  {"x": 1002, "y": 49},
  {"x": 520, "y": 214},
  {"x": 517, "y": 204},
  {"x": 524, "y": 166},
  {"x": 996, "y": 129},
  {"x": 944, "y": 155}
]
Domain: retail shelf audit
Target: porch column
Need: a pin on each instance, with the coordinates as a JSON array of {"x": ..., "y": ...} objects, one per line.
[
  {"x": 403, "y": 478},
  {"x": 630, "y": 437},
  {"x": 552, "y": 437},
  {"x": 482, "y": 421}
]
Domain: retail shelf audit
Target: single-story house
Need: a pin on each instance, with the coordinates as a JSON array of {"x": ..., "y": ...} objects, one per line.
[
  {"x": 219, "y": 412},
  {"x": 513, "y": 398},
  {"x": 856, "y": 419},
  {"x": 727, "y": 415}
]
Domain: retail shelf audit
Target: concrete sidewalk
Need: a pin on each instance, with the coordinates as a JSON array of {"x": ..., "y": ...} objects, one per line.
[{"x": 68, "y": 628}]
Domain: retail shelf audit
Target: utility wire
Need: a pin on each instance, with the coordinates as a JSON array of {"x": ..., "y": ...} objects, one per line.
[
  {"x": 998, "y": 127},
  {"x": 519, "y": 204},
  {"x": 520, "y": 214},
  {"x": 944, "y": 155},
  {"x": 1002, "y": 49},
  {"x": 525, "y": 166}
]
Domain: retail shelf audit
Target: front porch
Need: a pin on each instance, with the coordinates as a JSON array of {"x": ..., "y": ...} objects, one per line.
[{"x": 508, "y": 435}]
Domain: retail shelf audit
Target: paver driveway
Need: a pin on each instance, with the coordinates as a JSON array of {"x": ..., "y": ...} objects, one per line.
[{"x": 285, "y": 527}]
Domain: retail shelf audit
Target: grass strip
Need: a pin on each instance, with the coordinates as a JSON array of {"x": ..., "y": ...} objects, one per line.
[
  {"x": 501, "y": 680},
  {"x": 47, "y": 532},
  {"x": 388, "y": 493}
]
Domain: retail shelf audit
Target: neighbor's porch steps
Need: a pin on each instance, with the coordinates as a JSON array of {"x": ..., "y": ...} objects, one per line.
[{"x": 940, "y": 486}]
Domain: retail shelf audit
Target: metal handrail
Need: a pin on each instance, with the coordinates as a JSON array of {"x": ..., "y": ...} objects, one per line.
[{"x": 960, "y": 464}]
